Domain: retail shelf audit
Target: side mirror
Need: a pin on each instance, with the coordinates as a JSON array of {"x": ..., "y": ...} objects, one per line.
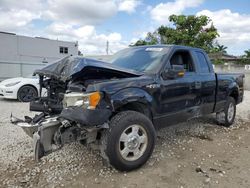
[{"x": 175, "y": 72}]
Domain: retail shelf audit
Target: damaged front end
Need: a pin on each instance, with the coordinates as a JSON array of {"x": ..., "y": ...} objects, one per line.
[
  {"x": 71, "y": 111},
  {"x": 78, "y": 121}
]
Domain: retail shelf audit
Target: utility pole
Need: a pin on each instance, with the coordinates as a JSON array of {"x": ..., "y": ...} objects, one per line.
[{"x": 107, "y": 47}]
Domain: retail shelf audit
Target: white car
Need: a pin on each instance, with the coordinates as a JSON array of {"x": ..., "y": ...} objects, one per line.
[{"x": 23, "y": 89}]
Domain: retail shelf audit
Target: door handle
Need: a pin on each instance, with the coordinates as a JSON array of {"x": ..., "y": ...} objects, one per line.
[{"x": 197, "y": 85}]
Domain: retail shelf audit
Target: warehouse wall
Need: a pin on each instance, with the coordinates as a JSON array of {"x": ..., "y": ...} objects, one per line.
[{"x": 21, "y": 55}]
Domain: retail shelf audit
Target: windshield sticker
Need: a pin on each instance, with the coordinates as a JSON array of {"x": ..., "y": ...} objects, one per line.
[{"x": 154, "y": 49}]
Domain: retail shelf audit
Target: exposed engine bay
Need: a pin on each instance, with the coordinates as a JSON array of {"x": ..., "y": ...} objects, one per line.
[
  {"x": 52, "y": 103},
  {"x": 72, "y": 74}
]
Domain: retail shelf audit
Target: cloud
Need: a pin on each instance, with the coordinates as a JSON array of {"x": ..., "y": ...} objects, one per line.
[
  {"x": 68, "y": 20},
  {"x": 81, "y": 11},
  {"x": 128, "y": 6},
  {"x": 14, "y": 19},
  {"x": 16, "y": 14},
  {"x": 14, "y": 4},
  {"x": 162, "y": 11},
  {"x": 77, "y": 12},
  {"x": 234, "y": 28},
  {"x": 90, "y": 42},
  {"x": 76, "y": 21}
]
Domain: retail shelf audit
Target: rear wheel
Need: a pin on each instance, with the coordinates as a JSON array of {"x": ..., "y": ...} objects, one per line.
[
  {"x": 227, "y": 116},
  {"x": 27, "y": 94},
  {"x": 130, "y": 140}
]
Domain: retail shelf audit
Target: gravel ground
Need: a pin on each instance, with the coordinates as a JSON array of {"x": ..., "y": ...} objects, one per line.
[{"x": 197, "y": 153}]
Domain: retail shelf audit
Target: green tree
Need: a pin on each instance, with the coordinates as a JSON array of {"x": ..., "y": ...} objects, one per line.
[
  {"x": 151, "y": 39},
  {"x": 187, "y": 30},
  {"x": 245, "y": 59},
  {"x": 247, "y": 54}
]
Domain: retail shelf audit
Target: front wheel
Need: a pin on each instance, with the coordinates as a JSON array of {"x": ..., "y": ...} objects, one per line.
[
  {"x": 130, "y": 140},
  {"x": 227, "y": 116}
]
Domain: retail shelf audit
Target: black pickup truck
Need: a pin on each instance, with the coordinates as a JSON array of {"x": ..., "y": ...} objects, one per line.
[{"x": 119, "y": 104}]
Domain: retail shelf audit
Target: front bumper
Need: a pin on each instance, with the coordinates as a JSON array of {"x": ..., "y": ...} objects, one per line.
[
  {"x": 73, "y": 124},
  {"x": 8, "y": 92},
  {"x": 86, "y": 117},
  {"x": 42, "y": 132},
  {"x": 29, "y": 125}
]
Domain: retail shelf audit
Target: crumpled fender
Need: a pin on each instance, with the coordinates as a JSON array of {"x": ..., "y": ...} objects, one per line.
[
  {"x": 129, "y": 95},
  {"x": 86, "y": 117}
]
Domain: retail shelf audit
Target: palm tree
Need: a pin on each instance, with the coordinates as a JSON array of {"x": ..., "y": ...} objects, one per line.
[{"x": 221, "y": 48}]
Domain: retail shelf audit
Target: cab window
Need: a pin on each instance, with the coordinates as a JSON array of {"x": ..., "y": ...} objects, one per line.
[{"x": 184, "y": 58}]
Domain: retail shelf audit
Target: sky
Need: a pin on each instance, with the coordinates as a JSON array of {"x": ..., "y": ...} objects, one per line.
[{"x": 121, "y": 22}]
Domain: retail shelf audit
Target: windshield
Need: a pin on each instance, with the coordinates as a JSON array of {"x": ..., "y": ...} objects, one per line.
[{"x": 140, "y": 59}]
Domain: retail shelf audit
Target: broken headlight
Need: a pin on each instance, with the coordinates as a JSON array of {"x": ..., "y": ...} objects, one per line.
[{"x": 86, "y": 100}]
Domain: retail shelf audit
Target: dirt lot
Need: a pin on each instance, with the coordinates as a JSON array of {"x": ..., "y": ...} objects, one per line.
[{"x": 197, "y": 153}]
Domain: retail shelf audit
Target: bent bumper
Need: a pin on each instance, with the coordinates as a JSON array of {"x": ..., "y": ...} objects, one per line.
[
  {"x": 42, "y": 134},
  {"x": 46, "y": 132},
  {"x": 28, "y": 128}
]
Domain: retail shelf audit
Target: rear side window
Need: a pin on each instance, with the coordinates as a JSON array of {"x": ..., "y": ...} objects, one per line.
[{"x": 202, "y": 62}]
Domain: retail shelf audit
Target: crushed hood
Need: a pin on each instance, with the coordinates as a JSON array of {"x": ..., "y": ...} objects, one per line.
[{"x": 70, "y": 66}]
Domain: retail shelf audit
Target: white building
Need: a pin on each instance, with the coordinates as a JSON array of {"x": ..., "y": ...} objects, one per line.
[{"x": 21, "y": 55}]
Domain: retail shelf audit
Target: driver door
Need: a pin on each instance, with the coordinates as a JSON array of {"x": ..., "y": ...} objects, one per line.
[{"x": 177, "y": 95}]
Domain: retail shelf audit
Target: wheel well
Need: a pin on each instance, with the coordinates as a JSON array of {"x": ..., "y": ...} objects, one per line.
[
  {"x": 28, "y": 85},
  {"x": 235, "y": 95},
  {"x": 138, "y": 107}
]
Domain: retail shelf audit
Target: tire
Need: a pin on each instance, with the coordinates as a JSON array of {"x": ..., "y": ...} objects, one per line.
[
  {"x": 27, "y": 93},
  {"x": 129, "y": 141},
  {"x": 227, "y": 116}
]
